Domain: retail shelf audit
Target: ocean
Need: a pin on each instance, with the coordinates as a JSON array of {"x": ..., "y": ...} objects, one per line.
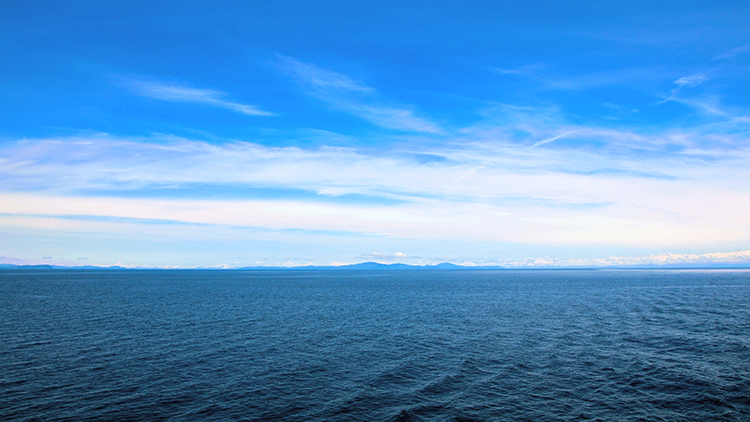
[{"x": 431, "y": 345}]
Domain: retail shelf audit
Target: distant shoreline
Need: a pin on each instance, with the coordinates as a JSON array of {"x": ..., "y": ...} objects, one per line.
[{"x": 374, "y": 266}]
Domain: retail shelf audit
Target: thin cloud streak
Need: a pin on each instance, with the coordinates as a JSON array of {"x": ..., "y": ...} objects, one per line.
[
  {"x": 732, "y": 53},
  {"x": 691, "y": 80},
  {"x": 547, "y": 77},
  {"x": 552, "y": 139},
  {"x": 180, "y": 93},
  {"x": 341, "y": 92}
]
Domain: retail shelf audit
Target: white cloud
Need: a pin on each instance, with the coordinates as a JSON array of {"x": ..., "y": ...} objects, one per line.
[
  {"x": 323, "y": 80},
  {"x": 691, "y": 80},
  {"x": 392, "y": 118},
  {"x": 552, "y": 139},
  {"x": 713, "y": 107},
  {"x": 180, "y": 93},
  {"x": 484, "y": 190},
  {"x": 341, "y": 92},
  {"x": 732, "y": 53}
]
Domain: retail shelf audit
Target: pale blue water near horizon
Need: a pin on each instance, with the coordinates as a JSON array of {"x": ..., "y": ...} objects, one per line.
[{"x": 369, "y": 346}]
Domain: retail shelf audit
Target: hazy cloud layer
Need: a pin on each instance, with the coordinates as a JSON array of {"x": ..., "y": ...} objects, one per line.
[
  {"x": 482, "y": 189},
  {"x": 667, "y": 260},
  {"x": 664, "y": 259}
]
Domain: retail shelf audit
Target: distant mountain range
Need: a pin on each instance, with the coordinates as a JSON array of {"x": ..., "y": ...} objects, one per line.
[{"x": 376, "y": 266}]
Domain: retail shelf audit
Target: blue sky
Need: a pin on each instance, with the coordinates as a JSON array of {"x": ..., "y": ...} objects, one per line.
[{"x": 287, "y": 133}]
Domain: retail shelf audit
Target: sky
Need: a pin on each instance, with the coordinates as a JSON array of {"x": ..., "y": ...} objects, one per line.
[{"x": 517, "y": 133}]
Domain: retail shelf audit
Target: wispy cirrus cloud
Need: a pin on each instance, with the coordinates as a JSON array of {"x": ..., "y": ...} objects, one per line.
[
  {"x": 711, "y": 106},
  {"x": 343, "y": 93},
  {"x": 732, "y": 53},
  {"x": 525, "y": 70},
  {"x": 691, "y": 80},
  {"x": 707, "y": 100},
  {"x": 684, "y": 83},
  {"x": 173, "y": 92},
  {"x": 546, "y": 127},
  {"x": 547, "y": 77}
]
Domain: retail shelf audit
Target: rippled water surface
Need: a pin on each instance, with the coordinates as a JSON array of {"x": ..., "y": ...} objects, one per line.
[{"x": 369, "y": 346}]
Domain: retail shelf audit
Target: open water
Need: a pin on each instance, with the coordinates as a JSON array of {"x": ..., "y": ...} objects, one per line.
[{"x": 374, "y": 346}]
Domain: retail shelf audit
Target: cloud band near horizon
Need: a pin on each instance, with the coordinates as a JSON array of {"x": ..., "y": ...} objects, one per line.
[{"x": 478, "y": 191}]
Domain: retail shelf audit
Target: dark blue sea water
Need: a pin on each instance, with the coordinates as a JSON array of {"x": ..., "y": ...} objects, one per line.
[{"x": 374, "y": 346}]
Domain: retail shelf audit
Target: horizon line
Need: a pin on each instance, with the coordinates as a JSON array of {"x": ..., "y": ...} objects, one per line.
[{"x": 378, "y": 266}]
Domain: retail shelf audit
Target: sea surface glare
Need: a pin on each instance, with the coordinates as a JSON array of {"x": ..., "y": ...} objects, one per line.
[{"x": 374, "y": 346}]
